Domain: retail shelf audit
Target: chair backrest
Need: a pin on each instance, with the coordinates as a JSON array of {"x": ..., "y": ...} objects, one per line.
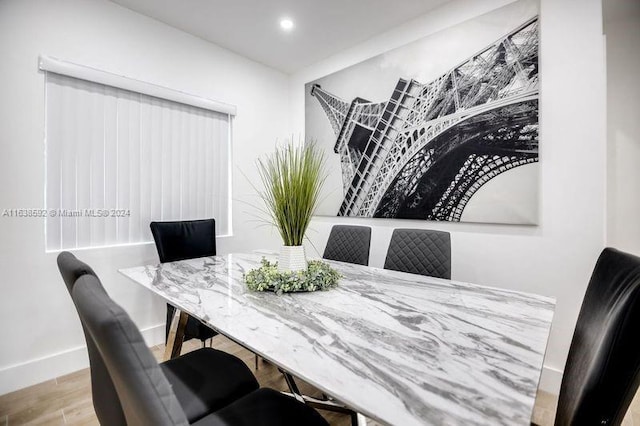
[
  {"x": 420, "y": 251},
  {"x": 105, "y": 398},
  {"x": 349, "y": 244},
  {"x": 186, "y": 239},
  {"x": 603, "y": 368},
  {"x": 145, "y": 393}
]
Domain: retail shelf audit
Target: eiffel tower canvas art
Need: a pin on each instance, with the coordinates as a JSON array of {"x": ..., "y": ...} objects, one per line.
[{"x": 445, "y": 128}]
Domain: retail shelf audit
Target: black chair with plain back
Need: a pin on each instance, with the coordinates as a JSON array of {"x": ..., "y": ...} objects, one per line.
[
  {"x": 204, "y": 380},
  {"x": 147, "y": 397},
  {"x": 180, "y": 240},
  {"x": 105, "y": 399},
  {"x": 348, "y": 243},
  {"x": 420, "y": 251},
  {"x": 602, "y": 372}
]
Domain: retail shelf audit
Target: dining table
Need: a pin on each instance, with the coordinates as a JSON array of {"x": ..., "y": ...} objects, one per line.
[{"x": 399, "y": 348}]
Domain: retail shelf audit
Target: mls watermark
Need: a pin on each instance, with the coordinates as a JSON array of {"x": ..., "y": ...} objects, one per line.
[{"x": 66, "y": 213}]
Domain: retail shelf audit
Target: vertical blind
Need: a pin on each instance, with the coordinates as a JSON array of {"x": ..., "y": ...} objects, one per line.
[{"x": 117, "y": 160}]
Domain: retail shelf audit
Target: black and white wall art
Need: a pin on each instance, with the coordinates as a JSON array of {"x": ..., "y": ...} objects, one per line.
[{"x": 443, "y": 128}]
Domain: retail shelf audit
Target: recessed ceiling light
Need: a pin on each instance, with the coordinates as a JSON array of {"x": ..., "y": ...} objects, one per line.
[{"x": 286, "y": 24}]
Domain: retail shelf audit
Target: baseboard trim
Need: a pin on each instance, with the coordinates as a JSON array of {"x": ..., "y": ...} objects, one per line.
[
  {"x": 49, "y": 367},
  {"x": 550, "y": 380}
]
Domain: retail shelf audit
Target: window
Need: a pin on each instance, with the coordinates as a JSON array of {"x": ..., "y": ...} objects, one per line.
[{"x": 117, "y": 159}]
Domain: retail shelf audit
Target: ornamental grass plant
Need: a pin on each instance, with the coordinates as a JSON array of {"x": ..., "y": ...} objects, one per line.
[{"x": 293, "y": 177}]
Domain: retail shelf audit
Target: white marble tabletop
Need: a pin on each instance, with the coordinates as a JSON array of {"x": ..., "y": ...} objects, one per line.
[{"x": 400, "y": 348}]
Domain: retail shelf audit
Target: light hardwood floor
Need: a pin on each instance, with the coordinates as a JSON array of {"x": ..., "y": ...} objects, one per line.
[{"x": 66, "y": 400}]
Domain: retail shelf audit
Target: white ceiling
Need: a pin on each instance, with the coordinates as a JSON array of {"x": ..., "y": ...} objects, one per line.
[{"x": 251, "y": 27}]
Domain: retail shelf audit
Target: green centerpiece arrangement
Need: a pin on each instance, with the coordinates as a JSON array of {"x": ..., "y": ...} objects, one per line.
[
  {"x": 318, "y": 276},
  {"x": 292, "y": 178}
]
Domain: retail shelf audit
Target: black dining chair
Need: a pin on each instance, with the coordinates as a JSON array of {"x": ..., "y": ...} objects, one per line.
[
  {"x": 182, "y": 240},
  {"x": 146, "y": 396},
  {"x": 204, "y": 380},
  {"x": 420, "y": 251},
  {"x": 348, "y": 243},
  {"x": 602, "y": 372},
  {"x": 105, "y": 399}
]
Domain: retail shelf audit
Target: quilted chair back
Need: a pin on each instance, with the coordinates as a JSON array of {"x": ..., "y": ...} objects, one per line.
[
  {"x": 349, "y": 244},
  {"x": 420, "y": 251}
]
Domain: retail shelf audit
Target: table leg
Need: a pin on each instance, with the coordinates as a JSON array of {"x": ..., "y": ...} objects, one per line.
[
  {"x": 176, "y": 335},
  {"x": 357, "y": 419}
]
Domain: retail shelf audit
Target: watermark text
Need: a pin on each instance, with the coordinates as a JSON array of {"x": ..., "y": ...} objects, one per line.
[{"x": 23, "y": 212}]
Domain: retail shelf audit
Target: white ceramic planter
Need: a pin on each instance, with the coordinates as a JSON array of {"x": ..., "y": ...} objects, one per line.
[{"x": 292, "y": 258}]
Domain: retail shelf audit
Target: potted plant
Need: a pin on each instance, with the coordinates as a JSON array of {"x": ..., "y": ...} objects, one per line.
[{"x": 292, "y": 177}]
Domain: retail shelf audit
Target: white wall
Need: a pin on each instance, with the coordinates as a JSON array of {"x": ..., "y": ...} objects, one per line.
[
  {"x": 556, "y": 257},
  {"x": 622, "y": 29},
  {"x": 40, "y": 333}
]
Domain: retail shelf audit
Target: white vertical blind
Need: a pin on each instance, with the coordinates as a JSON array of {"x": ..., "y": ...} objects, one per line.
[{"x": 117, "y": 160}]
